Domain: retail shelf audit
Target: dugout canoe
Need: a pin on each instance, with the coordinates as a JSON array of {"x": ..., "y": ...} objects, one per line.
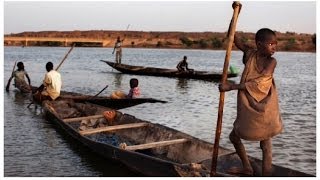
[
  {"x": 147, "y": 148},
  {"x": 109, "y": 102},
  {"x": 151, "y": 71},
  {"x": 106, "y": 100}
]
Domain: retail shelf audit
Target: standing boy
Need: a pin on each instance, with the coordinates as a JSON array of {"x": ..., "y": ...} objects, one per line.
[
  {"x": 118, "y": 49},
  {"x": 258, "y": 115}
]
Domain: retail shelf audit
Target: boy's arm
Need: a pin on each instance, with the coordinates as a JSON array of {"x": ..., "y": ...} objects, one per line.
[
  {"x": 271, "y": 66},
  {"x": 8, "y": 84},
  {"x": 124, "y": 38},
  {"x": 187, "y": 66},
  {"x": 114, "y": 48},
  {"x": 239, "y": 44},
  {"x": 229, "y": 86},
  {"x": 178, "y": 65},
  {"x": 29, "y": 81}
]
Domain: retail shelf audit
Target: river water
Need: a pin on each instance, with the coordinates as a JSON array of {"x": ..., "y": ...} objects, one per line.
[{"x": 35, "y": 147}]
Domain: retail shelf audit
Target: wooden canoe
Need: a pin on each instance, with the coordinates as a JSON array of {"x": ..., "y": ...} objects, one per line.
[
  {"x": 151, "y": 71},
  {"x": 148, "y": 148},
  {"x": 105, "y": 100}
]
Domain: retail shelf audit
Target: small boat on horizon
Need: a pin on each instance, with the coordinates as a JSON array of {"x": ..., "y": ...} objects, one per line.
[{"x": 173, "y": 73}]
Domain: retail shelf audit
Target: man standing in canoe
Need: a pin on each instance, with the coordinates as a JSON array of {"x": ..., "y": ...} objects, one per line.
[
  {"x": 19, "y": 80},
  {"x": 50, "y": 89},
  {"x": 118, "y": 49},
  {"x": 258, "y": 115}
]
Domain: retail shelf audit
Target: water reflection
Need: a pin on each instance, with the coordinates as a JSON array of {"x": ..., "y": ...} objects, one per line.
[
  {"x": 20, "y": 98},
  {"x": 182, "y": 83},
  {"x": 117, "y": 80}
]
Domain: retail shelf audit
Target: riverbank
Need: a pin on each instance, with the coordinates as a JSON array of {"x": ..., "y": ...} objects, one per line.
[{"x": 289, "y": 41}]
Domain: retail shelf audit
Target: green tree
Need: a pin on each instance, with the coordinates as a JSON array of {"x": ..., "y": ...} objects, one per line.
[
  {"x": 290, "y": 44},
  {"x": 186, "y": 41},
  {"x": 216, "y": 43},
  {"x": 203, "y": 43}
]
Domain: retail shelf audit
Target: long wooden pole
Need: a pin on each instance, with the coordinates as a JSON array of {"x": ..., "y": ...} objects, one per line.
[
  {"x": 65, "y": 57},
  {"x": 99, "y": 92},
  {"x": 13, "y": 67},
  {"x": 223, "y": 80},
  {"x": 9, "y": 81}
]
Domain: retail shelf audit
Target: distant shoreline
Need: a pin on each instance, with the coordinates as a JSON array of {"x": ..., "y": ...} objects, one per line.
[
  {"x": 289, "y": 41},
  {"x": 234, "y": 49}
]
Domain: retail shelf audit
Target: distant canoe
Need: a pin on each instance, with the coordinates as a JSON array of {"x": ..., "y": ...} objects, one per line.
[{"x": 151, "y": 71}]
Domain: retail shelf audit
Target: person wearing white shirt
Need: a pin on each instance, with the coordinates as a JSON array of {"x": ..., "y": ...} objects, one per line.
[{"x": 50, "y": 89}]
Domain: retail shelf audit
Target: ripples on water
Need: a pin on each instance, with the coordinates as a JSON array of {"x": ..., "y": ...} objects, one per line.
[{"x": 34, "y": 147}]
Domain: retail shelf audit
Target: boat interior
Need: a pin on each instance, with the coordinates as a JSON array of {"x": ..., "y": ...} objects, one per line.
[
  {"x": 107, "y": 126},
  {"x": 127, "y": 132}
]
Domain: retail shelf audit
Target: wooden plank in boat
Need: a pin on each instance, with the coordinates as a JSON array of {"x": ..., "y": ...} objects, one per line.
[
  {"x": 153, "y": 144},
  {"x": 82, "y": 118},
  {"x": 111, "y": 128}
]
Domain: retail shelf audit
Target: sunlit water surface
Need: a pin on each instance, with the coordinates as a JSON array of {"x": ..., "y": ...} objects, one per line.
[{"x": 33, "y": 146}]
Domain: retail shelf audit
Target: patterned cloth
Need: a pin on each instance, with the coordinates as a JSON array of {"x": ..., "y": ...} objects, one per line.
[
  {"x": 134, "y": 92},
  {"x": 258, "y": 116}
]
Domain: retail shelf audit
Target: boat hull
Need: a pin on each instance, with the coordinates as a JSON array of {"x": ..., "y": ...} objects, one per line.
[
  {"x": 168, "y": 161},
  {"x": 105, "y": 101},
  {"x": 150, "y": 71}
]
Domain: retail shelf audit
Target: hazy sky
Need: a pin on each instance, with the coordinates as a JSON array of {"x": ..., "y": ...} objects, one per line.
[{"x": 293, "y": 16}]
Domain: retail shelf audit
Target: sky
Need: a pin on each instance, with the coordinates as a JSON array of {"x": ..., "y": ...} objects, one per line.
[{"x": 187, "y": 16}]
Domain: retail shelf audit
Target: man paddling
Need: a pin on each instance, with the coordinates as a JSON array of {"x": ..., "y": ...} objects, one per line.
[
  {"x": 50, "y": 89},
  {"x": 19, "y": 79}
]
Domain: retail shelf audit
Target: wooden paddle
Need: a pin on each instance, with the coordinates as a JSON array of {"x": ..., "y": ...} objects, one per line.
[
  {"x": 99, "y": 92},
  {"x": 13, "y": 67},
  {"x": 65, "y": 57},
  {"x": 11, "y": 74},
  {"x": 232, "y": 29}
]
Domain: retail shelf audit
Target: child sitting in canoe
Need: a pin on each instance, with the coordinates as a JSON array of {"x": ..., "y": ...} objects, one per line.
[
  {"x": 19, "y": 79},
  {"x": 133, "y": 93}
]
